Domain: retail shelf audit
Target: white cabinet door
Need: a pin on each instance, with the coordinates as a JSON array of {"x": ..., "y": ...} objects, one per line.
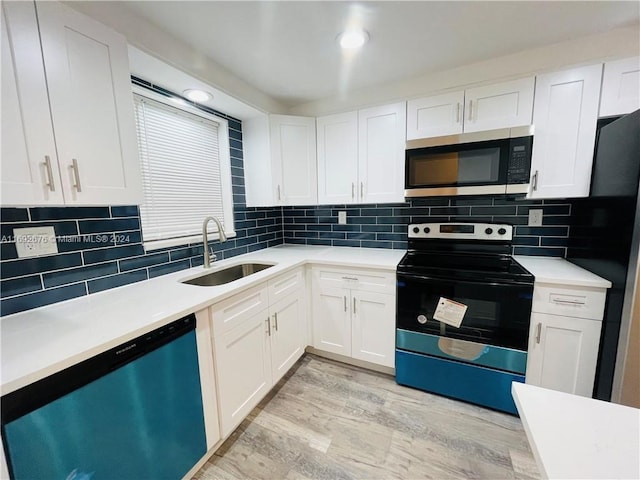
[
  {"x": 287, "y": 344},
  {"x": 30, "y": 174},
  {"x": 337, "y": 158},
  {"x": 91, "y": 103},
  {"x": 435, "y": 116},
  {"x": 373, "y": 327},
  {"x": 501, "y": 105},
  {"x": 620, "y": 87},
  {"x": 563, "y": 353},
  {"x": 293, "y": 160},
  {"x": 244, "y": 369},
  {"x": 565, "y": 113},
  {"x": 332, "y": 319},
  {"x": 381, "y": 137}
]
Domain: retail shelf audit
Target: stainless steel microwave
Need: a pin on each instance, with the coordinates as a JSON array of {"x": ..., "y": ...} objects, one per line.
[{"x": 478, "y": 163}]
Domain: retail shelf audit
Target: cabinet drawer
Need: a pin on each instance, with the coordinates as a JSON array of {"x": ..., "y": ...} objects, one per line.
[
  {"x": 231, "y": 312},
  {"x": 581, "y": 302},
  {"x": 285, "y": 284},
  {"x": 365, "y": 280}
]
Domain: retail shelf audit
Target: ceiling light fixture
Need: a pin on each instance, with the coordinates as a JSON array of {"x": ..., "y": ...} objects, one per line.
[
  {"x": 352, "y": 39},
  {"x": 197, "y": 95}
]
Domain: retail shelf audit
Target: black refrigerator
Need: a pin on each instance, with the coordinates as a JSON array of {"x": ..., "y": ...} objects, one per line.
[{"x": 604, "y": 234}]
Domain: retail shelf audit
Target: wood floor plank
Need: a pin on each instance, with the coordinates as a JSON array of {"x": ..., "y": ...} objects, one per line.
[{"x": 328, "y": 420}]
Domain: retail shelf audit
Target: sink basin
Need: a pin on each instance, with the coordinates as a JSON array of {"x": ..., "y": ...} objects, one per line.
[{"x": 226, "y": 275}]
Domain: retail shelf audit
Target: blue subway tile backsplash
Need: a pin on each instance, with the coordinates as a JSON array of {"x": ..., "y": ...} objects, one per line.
[{"x": 385, "y": 226}]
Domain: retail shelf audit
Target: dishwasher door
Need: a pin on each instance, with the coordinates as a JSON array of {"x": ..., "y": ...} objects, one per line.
[{"x": 134, "y": 412}]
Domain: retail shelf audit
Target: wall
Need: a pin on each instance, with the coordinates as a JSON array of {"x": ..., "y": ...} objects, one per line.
[
  {"x": 611, "y": 45},
  {"x": 100, "y": 247},
  {"x": 385, "y": 225}
]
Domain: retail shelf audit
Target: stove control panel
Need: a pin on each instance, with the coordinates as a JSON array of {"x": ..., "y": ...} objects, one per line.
[{"x": 457, "y": 231}]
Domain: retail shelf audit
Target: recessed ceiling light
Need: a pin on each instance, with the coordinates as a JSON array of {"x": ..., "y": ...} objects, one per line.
[
  {"x": 197, "y": 95},
  {"x": 353, "y": 39}
]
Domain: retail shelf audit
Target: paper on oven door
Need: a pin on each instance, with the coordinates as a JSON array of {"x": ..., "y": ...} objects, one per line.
[{"x": 450, "y": 312}]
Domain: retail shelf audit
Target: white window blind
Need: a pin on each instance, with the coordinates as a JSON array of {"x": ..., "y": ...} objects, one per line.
[{"x": 181, "y": 171}]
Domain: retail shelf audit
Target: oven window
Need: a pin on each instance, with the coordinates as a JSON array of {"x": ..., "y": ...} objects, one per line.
[
  {"x": 478, "y": 166},
  {"x": 496, "y": 314}
]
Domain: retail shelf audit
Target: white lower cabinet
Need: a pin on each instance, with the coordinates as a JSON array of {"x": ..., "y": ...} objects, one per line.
[
  {"x": 373, "y": 327},
  {"x": 244, "y": 369},
  {"x": 286, "y": 339},
  {"x": 563, "y": 353},
  {"x": 564, "y": 337},
  {"x": 256, "y": 341},
  {"x": 354, "y": 314}
]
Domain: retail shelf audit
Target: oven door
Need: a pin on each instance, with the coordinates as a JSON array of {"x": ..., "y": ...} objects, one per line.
[{"x": 498, "y": 313}]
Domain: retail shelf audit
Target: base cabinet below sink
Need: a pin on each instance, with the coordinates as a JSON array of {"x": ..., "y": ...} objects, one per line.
[{"x": 257, "y": 338}]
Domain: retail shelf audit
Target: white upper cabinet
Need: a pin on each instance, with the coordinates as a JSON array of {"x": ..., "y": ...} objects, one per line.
[
  {"x": 381, "y": 142},
  {"x": 293, "y": 160},
  {"x": 620, "y": 87},
  {"x": 89, "y": 84},
  {"x": 337, "y": 158},
  {"x": 361, "y": 156},
  {"x": 435, "y": 116},
  {"x": 500, "y": 105},
  {"x": 30, "y": 174},
  {"x": 565, "y": 114},
  {"x": 70, "y": 69}
]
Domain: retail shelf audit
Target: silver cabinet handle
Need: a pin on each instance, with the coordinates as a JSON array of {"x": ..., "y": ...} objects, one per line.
[
  {"x": 275, "y": 321},
  {"x": 470, "y": 109},
  {"x": 345, "y": 303},
  {"x": 76, "y": 175},
  {"x": 268, "y": 326},
  {"x": 47, "y": 165},
  {"x": 458, "y": 113},
  {"x": 568, "y": 302},
  {"x": 349, "y": 278},
  {"x": 538, "y": 332},
  {"x": 279, "y": 196},
  {"x": 534, "y": 181},
  {"x": 361, "y": 189},
  {"x": 354, "y": 305},
  {"x": 353, "y": 190}
]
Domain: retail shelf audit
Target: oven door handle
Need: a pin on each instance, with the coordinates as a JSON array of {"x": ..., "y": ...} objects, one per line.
[{"x": 424, "y": 279}]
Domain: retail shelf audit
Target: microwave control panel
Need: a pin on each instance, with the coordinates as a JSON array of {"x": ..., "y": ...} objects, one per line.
[{"x": 519, "y": 160}]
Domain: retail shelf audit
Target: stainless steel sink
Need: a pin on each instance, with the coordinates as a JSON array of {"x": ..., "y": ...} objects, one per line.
[{"x": 226, "y": 275}]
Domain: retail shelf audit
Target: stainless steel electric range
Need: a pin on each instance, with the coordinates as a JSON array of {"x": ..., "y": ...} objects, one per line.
[{"x": 463, "y": 312}]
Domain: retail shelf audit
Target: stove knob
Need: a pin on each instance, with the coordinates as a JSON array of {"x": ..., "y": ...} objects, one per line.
[
  {"x": 416, "y": 230},
  {"x": 489, "y": 231},
  {"x": 426, "y": 229},
  {"x": 422, "y": 319},
  {"x": 502, "y": 231}
]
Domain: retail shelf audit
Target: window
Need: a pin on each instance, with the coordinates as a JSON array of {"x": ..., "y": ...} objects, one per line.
[{"x": 186, "y": 172}]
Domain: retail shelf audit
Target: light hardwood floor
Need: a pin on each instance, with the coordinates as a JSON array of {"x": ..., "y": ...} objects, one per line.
[{"x": 328, "y": 420}]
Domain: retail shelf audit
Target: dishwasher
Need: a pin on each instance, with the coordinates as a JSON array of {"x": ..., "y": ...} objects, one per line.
[{"x": 132, "y": 412}]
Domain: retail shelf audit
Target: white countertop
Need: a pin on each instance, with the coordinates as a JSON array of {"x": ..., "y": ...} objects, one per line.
[
  {"x": 559, "y": 271},
  {"x": 579, "y": 437},
  {"x": 43, "y": 341}
]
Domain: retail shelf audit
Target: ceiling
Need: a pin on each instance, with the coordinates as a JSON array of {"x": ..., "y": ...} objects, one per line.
[{"x": 288, "y": 49}]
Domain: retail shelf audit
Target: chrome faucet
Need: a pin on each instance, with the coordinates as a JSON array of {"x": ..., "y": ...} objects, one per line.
[{"x": 209, "y": 256}]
